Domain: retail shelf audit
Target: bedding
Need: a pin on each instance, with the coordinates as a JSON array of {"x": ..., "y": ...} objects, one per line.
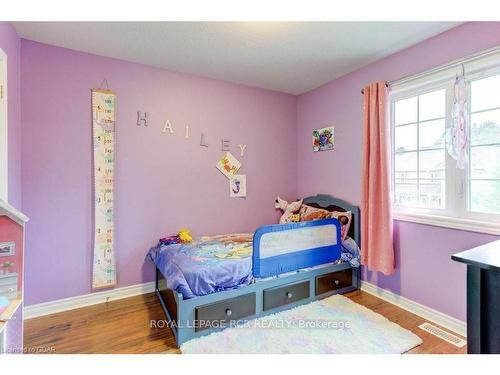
[
  {"x": 345, "y": 219},
  {"x": 212, "y": 264},
  {"x": 207, "y": 265},
  {"x": 350, "y": 252},
  {"x": 309, "y": 213}
]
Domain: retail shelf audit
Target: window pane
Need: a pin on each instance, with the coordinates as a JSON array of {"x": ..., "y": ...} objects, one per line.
[
  {"x": 485, "y": 128},
  {"x": 405, "y": 111},
  {"x": 405, "y": 138},
  {"x": 431, "y": 134},
  {"x": 405, "y": 194},
  {"x": 419, "y": 176},
  {"x": 485, "y": 93},
  {"x": 432, "y": 164},
  {"x": 485, "y": 162},
  {"x": 432, "y": 105},
  {"x": 431, "y": 193},
  {"x": 485, "y": 196},
  {"x": 405, "y": 165}
]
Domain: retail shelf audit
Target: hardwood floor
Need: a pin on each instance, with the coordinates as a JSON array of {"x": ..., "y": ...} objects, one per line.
[
  {"x": 431, "y": 344},
  {"x": 123, "y": 326}
]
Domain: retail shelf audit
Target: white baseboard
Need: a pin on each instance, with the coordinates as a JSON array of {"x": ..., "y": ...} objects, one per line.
[
  {"x": 416, "y": 308},
  {"x": 52, "y": 307}
]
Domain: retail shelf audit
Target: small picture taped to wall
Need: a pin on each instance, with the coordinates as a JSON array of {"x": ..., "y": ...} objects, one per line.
[
  {"x": 228, "y": 165},
  {"x": 238, "y": 186},
  {"x": 323, "y": 139}
]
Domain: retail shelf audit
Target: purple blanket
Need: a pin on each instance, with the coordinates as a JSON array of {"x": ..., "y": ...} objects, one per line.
[{"x": 207, "y": 265}]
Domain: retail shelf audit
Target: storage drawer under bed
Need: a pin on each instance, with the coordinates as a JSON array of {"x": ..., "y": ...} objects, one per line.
[
  {"x": 286, "y": 294},
  {"x": 213, "y": 314},
  {"x": 333, "y": 281}
]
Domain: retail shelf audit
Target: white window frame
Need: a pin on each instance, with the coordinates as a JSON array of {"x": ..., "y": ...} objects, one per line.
[
  {"x": 405, "y": 95},
  {"x": 456, "y": 214},
  {"x": 4, "y": 153},
  {"x": 479, "y": 216}
]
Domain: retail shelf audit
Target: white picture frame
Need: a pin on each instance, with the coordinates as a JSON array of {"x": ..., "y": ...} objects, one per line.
[{"x": 7, "y": 249}]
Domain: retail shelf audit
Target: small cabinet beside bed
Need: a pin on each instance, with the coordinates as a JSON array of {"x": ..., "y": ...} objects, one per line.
[{"x": 292, "y": 264}]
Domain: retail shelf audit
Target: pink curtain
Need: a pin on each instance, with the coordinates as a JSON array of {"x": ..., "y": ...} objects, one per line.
[{"x": 377, "y": 251}]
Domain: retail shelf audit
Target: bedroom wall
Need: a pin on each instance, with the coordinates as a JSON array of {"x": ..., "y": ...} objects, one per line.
[
  {"x": 11, "y": 45},
  {"x": 425, "y": 272},
  {"x": 162, "y": 182}
]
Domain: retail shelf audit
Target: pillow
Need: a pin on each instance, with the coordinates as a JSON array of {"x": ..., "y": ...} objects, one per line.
[
  {"x": 345, "y": 219},
  {"x": 308, "y": 213}
]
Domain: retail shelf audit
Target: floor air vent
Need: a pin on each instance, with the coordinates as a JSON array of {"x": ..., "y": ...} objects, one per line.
[{"x": 442, "y": 334}]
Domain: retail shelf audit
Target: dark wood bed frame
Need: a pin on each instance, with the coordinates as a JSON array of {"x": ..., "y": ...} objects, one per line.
[{"x": 199, "y": 316}]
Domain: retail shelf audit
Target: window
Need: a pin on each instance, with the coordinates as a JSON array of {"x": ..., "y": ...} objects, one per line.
[
  {"x": 419, "y": 153},
  {"x": 427, "y": 186},
  {"x": 3, "y": 127},
  {"x": 484, "y": 149}
]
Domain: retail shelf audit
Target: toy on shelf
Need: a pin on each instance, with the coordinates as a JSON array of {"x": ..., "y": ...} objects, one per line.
[
  {"x": 7, "y": 266},
  {"x": 182, "y": 237}
]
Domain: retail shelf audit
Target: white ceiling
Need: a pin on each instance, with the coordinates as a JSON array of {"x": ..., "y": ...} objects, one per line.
[{"x": 292, "y": 57}]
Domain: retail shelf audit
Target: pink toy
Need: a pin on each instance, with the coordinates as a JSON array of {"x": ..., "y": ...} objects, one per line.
[{"x": 290, "y": 211}]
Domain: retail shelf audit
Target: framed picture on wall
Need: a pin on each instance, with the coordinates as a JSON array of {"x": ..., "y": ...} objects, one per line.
[
  {"x": 7, "y": 249},
  {"x": 323, "y": 139}
]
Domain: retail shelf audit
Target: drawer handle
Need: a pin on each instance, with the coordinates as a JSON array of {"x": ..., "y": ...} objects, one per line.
[
  {"x": 228, "y": 312},
  {"x": 337, "y": 282},
  {"x": 289, "y": 295}
]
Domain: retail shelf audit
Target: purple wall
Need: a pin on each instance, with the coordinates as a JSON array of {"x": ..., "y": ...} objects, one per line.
[
  {"x": 425, "y": 272},
  {"x": 162, "y": 182},
  {"x": 11, "y": 45}
]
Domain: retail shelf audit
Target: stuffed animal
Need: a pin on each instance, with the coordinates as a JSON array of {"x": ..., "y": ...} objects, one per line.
[
  {"x": 185, "y": 236},
  {"x": 290, "y": 211},
  {"x": 182, "y": 237}
]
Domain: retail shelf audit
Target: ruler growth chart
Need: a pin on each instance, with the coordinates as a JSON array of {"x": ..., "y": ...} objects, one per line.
[{"x": 103, "y": 124}]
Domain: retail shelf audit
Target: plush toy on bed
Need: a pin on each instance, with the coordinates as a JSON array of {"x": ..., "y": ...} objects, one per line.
[
  {"x": 182, "y": 237},
  {"x": 185, "y": 236},
  {"x": 290, "y": 210}
]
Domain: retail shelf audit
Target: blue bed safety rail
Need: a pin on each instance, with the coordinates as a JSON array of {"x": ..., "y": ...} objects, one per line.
[{"x": 284, "y": 248}]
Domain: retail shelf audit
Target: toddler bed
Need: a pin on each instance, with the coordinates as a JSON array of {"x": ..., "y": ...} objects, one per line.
[
  {"x": 208, "y": 265},
  {"x": 219, "y": 280}
]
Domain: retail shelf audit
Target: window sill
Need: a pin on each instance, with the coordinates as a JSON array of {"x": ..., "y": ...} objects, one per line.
[{"x": 449, "y": 222}]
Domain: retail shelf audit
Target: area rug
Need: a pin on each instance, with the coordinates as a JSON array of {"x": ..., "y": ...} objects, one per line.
[{"x": 332, "y": 325}]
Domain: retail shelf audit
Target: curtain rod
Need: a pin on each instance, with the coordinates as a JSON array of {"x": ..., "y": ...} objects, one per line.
[{"x": 452, "y": 64}]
